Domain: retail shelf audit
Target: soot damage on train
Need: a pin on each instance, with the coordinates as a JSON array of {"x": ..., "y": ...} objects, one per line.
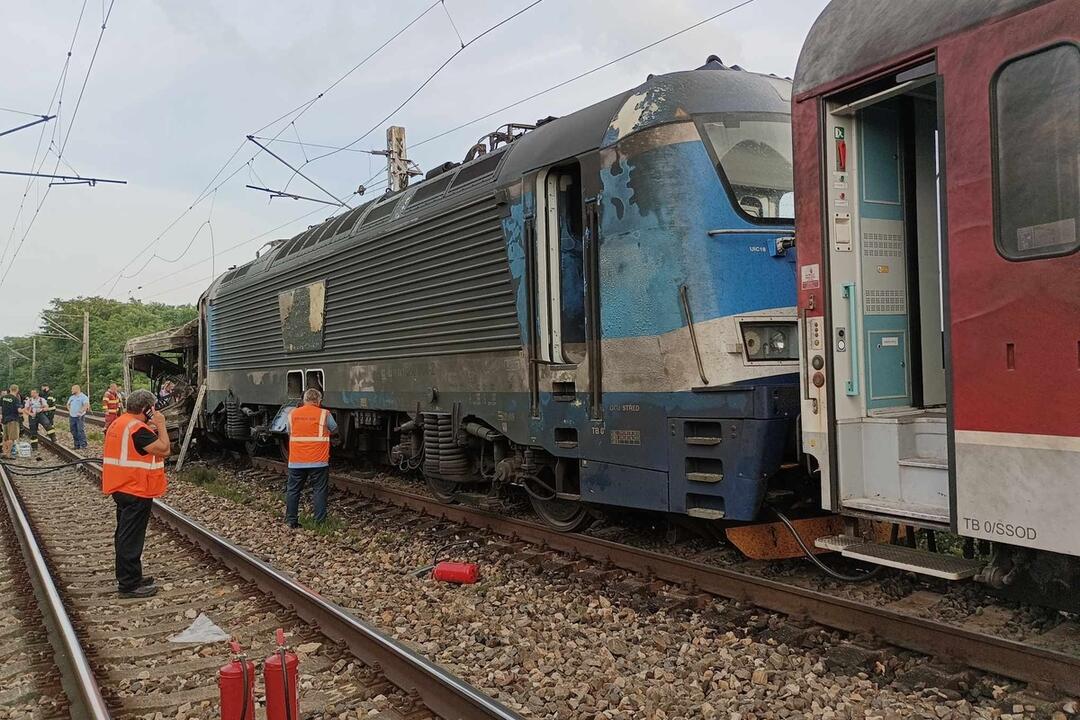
[{"x": 599, "y": 309}]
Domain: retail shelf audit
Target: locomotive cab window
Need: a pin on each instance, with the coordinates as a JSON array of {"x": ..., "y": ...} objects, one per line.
[
  {"x": 752, "y": 152},
  {"x": 1035, "y": 103}
]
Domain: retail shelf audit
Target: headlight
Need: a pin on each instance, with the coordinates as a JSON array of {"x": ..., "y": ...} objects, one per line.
[{"x": 771, "y": 341}]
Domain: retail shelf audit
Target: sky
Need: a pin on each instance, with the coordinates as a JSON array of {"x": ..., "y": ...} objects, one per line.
[{"x": 175, "y": 88}]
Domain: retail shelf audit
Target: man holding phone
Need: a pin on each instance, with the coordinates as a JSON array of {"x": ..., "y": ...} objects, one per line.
[{"x": 133, "y": 472}]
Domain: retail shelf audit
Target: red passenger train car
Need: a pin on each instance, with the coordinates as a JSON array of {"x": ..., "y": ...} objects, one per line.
[{"x": 937, "y": 179}]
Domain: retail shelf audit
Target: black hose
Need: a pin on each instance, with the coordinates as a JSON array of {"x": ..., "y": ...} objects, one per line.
[
  {"x": 285, "y": 684},
  {"x": 861, "y": 577},
  {"x": 17, "y": 469},
  {"x": 247, "y": 683},
  {"x": 428, "y": 568}
]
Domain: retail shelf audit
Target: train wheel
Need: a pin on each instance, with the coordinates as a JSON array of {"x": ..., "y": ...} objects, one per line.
[
  {"x": 445, "y": 491},
  {"x": 563, "y": 515}
]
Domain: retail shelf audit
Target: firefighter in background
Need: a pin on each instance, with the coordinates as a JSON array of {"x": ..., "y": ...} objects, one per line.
[
  {"x": 110, "y": 403},
  {"x": 36, "y": 410},
  {"x": 133, "y": 472},
  {"x": 50, "y": 403}
]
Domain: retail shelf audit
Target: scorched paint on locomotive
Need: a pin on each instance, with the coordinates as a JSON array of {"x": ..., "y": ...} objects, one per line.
[{"x": 600, "y": 310}]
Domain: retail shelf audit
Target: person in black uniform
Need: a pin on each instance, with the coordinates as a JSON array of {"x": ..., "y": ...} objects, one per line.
[
  {"x": 50, "y": 403},
  {"x": 11, "y": 406}
]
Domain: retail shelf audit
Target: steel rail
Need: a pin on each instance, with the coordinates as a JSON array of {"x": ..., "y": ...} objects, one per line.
[
  {"x": 446, "y": 695},
  {"x": 1009, "y": 658},
  {"x": 91, "y": 418},
  {"x": 76, "y": 675}
]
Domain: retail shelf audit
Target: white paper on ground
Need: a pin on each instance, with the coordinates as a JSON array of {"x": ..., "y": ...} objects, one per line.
[{"x": 202, "y": 630}]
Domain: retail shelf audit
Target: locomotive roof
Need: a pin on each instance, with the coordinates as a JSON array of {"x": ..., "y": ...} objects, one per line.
[
  {"x": 711, "y": 88},
  {"x": 855, "y": 35}
]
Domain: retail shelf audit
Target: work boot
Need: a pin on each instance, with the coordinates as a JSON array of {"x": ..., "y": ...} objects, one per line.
[
  {"x": 146, "y": 580},
  {"x": 143, "y": 591}
]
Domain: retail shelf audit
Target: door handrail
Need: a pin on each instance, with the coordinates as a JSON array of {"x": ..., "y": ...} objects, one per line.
[{"x": 852, "y": 386}]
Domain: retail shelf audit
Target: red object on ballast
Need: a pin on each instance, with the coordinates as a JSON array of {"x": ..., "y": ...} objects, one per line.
[
  {"x": 279, "y": 677},
  {"x": 236, "y": 685},
  {"x": 463, "y": 573}
]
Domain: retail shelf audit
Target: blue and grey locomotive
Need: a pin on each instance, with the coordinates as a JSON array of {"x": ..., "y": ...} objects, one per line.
[{"x": 599, "y": 309}]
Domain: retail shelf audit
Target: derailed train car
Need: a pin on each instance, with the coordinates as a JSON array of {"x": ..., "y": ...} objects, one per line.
[{"x": 600, "y": 309}]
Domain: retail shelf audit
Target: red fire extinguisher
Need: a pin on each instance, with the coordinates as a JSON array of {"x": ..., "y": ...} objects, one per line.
[
  {"x": 279, "y": 676},
  {"x": 462, "y": 573},
  {"x": 236, "y": 684}
]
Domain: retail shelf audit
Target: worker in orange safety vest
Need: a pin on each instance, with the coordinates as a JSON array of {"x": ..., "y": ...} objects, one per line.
[
  {"x": 310, "y": 427},
  {"x": 133, "y": 472},
  {"x": 110, "y": 403}
]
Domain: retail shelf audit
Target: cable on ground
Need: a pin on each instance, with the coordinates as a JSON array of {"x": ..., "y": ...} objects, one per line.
[{"x": 861, "y": 577}]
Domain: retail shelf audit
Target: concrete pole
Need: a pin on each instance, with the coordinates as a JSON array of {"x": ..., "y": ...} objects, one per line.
[
  {"x": 397, "y": 167},
  {"x": 86, "y": 349},
  {"x": 33, "y": 361}
]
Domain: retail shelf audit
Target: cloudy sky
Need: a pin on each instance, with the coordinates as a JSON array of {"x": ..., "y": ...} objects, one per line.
[{"x": 177, "y": 85}]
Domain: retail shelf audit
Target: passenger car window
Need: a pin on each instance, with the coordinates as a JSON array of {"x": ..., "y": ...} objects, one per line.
[{"x": 1035, "y": 102}]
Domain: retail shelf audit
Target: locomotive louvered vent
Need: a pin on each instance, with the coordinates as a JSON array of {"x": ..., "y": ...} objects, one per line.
[
  {"x": 440, "y": 286},
  {"x": 381, "y": 212},
  {"x": 300, "y": 241},
  {"x": 287, "y": 246},
  {"x": 334, "y": 227},
  {"x": 477, "y": 169},
  {"x": 228, "y": 276},
  {"x": 241, "y": 272},
  {"x": 430, "y": 190},
  {"x": 352, "y": 217}
]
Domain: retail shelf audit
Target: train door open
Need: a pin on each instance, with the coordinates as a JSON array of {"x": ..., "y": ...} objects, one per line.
[
  {"x": 883, "y": 182},
  {"x": 560, "y": 262}
]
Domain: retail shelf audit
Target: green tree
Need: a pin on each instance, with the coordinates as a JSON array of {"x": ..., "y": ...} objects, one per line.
[{"x": 112, "y": 324}]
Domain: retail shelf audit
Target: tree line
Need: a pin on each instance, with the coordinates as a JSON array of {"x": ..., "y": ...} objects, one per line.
[{"x": 59, "y": 357}]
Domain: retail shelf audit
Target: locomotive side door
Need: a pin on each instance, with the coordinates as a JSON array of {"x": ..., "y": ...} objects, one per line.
[
  {"x": 1014, "y": 276},
  {"x": 564, "y": 353}
]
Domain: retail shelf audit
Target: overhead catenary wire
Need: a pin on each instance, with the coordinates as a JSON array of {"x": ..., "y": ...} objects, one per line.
[
  {"x": 230, "y": 248},
  {"x": 295, "y": 114},
  {"x": 552, "y": 88},
  {"x": 303, "y": 108},
  {"x": 57, "y": 89},
  {"x": 67, "y": 136},
  {"x": 587, "y": 73},
  {"x": 432, "y": 76}
]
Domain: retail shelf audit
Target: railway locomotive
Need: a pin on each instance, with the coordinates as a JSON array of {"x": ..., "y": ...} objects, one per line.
[
  {"x": 937, "y": 166},
  {"x": 599, "y": 309}
]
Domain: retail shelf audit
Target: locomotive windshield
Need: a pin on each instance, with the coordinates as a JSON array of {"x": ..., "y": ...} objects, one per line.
[{"x": 753, "y": 153}]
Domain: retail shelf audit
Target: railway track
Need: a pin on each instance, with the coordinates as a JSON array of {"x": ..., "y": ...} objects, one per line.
[
  {"x": 96, "y": 419},
  {"x": 45, "y": 673},
  {"x": 948, "y": 642},
  {"x": 134, "y": 670}
]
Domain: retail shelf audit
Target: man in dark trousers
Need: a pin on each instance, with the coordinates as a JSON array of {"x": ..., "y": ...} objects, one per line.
[
  {"x": 50, "y": 403},
  {"x": 11, "y": 412},
  {"x": 310, "y": 427},
  {"x": 36, "y": 410},
  {"x": 133, "y": 472}
]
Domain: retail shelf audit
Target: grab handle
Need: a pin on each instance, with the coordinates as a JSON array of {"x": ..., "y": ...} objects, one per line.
[{"x": 852, "y": 387}]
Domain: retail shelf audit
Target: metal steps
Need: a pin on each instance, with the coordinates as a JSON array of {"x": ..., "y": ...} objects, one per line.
[{"x": 947, "y": 567}]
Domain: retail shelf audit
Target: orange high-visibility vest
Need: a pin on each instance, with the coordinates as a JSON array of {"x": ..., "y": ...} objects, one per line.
[
  {"x": 309, "y": 440},
  {"x": 111, "y": 403},
  {"x": 123, "y": 468}
]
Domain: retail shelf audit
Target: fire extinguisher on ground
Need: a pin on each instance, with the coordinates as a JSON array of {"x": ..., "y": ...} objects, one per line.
[
  {"x": 279, "y": 677},
  {"x": 236, "y": 684}
]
